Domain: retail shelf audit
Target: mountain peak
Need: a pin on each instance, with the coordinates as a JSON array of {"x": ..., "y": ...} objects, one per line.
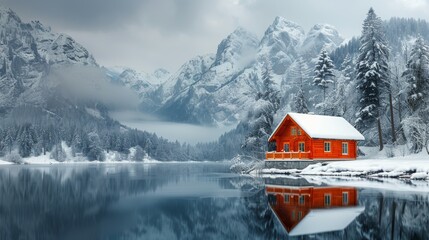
[
  {"x": 284, "y": 25},
  {"x": 161, "y": 73},
  {"x": 321, "y": 36},
  {"x": 241, "y": 31},
  {"x": 239, "y": 42},
  {"x": 280, "y": 42}
]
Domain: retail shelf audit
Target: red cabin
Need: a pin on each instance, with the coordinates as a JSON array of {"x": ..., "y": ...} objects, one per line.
[{"x": 318, "y": 137}]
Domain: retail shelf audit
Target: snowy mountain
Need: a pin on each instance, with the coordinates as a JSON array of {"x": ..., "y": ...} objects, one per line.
[
  {"x": 144, "y": 84},
  {"x": 320, "y": 36},
  {"x": 28, "y": 51},
  {"x": 210, "y": 89},
  {"x": 280, "y": 43},
  {"x": 220, "y": 89}
]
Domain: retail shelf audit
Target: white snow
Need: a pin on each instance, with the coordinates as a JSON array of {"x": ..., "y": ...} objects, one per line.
[
  {"x": 93, "y": 112},
  {"x": 5, "y": 162},
  {"x": 327, "y": 127},
  {"x": 326, "y": 220},
  {"x": 375, "y": 164},
  {"x": 111, "y": 157}
]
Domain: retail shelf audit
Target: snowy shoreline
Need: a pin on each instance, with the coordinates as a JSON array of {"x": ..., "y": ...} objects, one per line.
[
  {"x": 54, "y": 162},
  {"x": 415, "y": 166},
  {"x": 47, "y": 161}
]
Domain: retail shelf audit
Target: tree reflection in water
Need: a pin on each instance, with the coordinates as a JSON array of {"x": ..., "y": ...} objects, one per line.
[
  {"x": 165, "y": 201},
  {"x": 305, "y": 211},
  {"x": 181, "y": 201}
]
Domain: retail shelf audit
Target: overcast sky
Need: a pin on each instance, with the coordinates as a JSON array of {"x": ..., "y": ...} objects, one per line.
[{"x": 148, "y": 34}]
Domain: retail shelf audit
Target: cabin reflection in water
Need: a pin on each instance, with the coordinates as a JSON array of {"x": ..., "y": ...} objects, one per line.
[{"x": 306, "y": 210}]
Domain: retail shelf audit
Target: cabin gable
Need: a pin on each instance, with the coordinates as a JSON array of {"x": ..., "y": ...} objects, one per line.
[{"x": 291, "y": 135}]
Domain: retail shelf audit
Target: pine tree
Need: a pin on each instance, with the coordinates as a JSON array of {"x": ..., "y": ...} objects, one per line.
[
  {"x": 260, "y": 119},
  {"x": 299, "y": 103},
  {"x": 269, "y": 92},
  {"x": 8, "y": 141},
  {"x": 95, "y": 152},
  {"x": 298, "y": 75},
  {"x": 323, "y": 72},
  {"x": 417, "y": 77},
  {"x": 58, "y": 153},
  {"x": 336, "y": 103},
  {"x": 372, "y": 73},
  {"x": 26, "y": 140}
]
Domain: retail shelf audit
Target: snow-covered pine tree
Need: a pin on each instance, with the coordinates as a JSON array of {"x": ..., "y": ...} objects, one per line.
[
  {"x": 323, "y": 75},
  {"x": 417, "y": 77},
  {"x": 260, "y": 118},
  {"x": 323, "y": 72},
  {"x": 58, "y": 153},
  {"x": 337, "y": 103},
  {"x": 26, "y": 139},
  {"x": 269, "y": 92},
  {"x": 299, "y": 103},
  {"x": 298, "y": 75},
  {"x": 347, "y": 78},
  {"x": 372, "y": 73}
]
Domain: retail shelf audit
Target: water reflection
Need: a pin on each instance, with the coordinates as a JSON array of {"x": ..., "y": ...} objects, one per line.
[
  {"x": 367, "y": 212},
  {"x": 305, "y": 209},
  {"x": 165, "y": 201},
  {"x": 198, "y": 201}
]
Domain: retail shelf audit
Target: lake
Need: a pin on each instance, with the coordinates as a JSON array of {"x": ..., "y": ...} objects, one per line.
[{"x": 203, "y": 201}]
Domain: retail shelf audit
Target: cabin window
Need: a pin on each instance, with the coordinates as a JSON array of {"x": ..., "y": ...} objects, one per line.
[
  {"x": 299, "y": 215},
  {"x": 272, "y": 199},
  {"x": 301, "y": 147},
  {"x": 301, "y": 200},
  {"x": 299, "y": 132},
  {"x": 345, "y": 148},
  {"x": 286, "y": 148},
  {"x": 293, "y": 215},
  {"x": 287, "y": 198},
  {"x": 327, "y": 199},
  {"x": 345, "y": 198},
  {"x": 327, "y": 146},
  {"x": 293, "y": 131}
]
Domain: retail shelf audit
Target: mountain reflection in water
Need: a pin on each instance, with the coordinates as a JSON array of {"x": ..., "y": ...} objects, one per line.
[{"x": 195, "y": 201}]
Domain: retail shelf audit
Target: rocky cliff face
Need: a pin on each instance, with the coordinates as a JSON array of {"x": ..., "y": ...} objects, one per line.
[
  {"x": 320, "y": 36},
  {"x": 220, "y": 89},
  {"x": 27, "y": 53}
]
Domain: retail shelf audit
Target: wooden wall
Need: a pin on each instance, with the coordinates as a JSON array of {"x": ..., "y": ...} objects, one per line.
[{"x": 318, "y": 149}]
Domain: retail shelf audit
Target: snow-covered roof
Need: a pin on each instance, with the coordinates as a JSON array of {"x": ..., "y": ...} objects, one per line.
[
  {"x": 326, "y": 220},
  {"x": 321, "y": 126}
]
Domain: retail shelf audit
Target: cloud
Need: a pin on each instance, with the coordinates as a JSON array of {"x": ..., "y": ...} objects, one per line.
[
  {"x": 148, "y": 34},
  {"x": 413, "y": 4},
  {"x": 78, "y": 14},
  {"x": 182, "y": 132},
  {"x": 84, "y": 83}
]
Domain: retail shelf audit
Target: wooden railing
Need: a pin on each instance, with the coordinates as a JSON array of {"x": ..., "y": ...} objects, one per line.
[{"x": 286, "y": 155}]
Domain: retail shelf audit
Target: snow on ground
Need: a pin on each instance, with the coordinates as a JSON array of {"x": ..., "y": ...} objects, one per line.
[
  {"x": 4, "y": 162},
  {"x": 111, "y": 157},
  {"x": 397, "y": 185},
  {"x": 374, "y": 164}
]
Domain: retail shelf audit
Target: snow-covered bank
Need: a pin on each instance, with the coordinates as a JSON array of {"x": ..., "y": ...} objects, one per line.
[
  {"x": 43, "y": 160},
  {"x": 4, "y": 162},
  {"x": 414, "y": 166}
]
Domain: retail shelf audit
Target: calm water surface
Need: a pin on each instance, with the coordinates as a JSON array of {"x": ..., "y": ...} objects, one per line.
[{"x": 201, "y": 201}]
